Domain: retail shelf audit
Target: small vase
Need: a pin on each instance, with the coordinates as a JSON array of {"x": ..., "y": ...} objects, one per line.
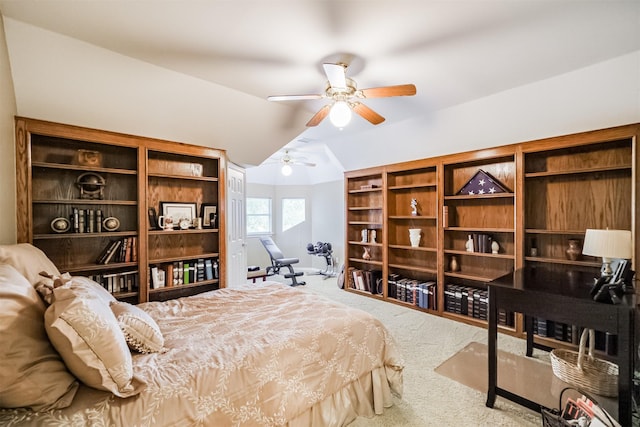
[
  {"x": 367, "y": 253},
  {"x": 574, "y": 251},
  {"x": 414, "y": 236},
  {"x": 453, "y": 264}
]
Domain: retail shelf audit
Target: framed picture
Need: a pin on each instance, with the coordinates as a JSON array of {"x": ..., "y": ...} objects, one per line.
[
  {"x": 178, "y": 211},
  {"x": 153, "y": 219},
  {"x": 209, "y": 215}
]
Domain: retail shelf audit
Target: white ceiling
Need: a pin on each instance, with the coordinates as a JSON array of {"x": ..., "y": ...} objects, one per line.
[{"x": 243, "y": 51}]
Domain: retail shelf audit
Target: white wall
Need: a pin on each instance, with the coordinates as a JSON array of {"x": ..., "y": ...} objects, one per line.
[
  {"x": 328, "y": 219},
  {"x": 7, "y": 145}
]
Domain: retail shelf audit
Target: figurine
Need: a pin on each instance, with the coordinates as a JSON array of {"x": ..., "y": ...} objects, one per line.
[
  {"x": 367, "y": 253},
  {"x": 414, "y": 207},
  {"x": 469, "y": 244},
  {"x": 373, "y": 236},
  {"x": 365, "y": 234}
]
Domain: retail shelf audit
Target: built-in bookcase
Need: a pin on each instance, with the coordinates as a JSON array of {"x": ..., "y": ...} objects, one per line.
[
  {"x": 81, "y": 191},
  {"x": 553, "y": 190}
]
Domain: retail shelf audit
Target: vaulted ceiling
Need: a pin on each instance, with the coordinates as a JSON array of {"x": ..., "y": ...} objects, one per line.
[{"x": 200, "y": 71}]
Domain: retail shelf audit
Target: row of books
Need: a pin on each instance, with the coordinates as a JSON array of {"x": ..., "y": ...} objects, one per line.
[
  {"x": 365, "y": 280},
  {"x": 124, "y": 281},
  {"x": 422, "y": 294},
  {"x": 184, "y": 272},
  {"x": 604, "y": 341},
  {"x": 479, "y": 242},
  {"x": 86, "y": 220},
  {"x": 472, "y": 302},
  {"x": 119, "y": 250}
]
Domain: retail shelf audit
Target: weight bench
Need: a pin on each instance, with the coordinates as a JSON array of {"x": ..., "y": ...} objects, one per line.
[{"x": 278, "y": 261}]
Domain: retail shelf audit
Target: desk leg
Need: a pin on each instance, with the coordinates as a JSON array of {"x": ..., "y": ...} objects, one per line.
[
  {"x": 491, "y": 351},
  {"x": 626, "y": 352},
  {"x": 528, "y": 327}
]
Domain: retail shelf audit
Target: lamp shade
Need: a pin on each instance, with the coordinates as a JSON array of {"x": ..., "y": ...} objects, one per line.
[{"x": 607, "y": 243}]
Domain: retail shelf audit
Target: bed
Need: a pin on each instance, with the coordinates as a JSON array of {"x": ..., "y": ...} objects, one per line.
[{"x": 254, "y": 355}]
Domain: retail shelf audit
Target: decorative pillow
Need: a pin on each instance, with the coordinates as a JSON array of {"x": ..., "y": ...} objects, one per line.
[
  {"x": 140, "y": 331},
  {"x": 32, "y": 375},
  {"x": 28, "y": 260},
  {"x": 85, "y": 332},
  {"x": 48, "y": 283}
]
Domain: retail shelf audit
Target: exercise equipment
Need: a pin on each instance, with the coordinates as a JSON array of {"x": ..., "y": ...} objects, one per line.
[
  {"x": 324, "y": 250},
  {"x": 278, "y": 261}
]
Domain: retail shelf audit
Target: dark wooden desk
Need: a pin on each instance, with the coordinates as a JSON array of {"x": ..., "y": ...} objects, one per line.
[{"x": 562, "y": 296}]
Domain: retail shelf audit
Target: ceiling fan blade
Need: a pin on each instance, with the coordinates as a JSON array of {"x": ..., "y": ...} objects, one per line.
[
  {"x": 305, "y": 163},
  {"x": 293, "y": 97},
  {"x": 319, "y": 116},
  {"x": 382, "y": 92},
  {"x": 336, "y": 75},
  {"x": 367, "y": 113}
]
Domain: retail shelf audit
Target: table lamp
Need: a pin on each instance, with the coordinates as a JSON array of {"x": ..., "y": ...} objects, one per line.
[{"x": 607, "y": 244}]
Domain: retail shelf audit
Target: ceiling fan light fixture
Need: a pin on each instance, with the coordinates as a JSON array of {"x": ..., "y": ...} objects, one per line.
[
  {"x": 340, "y": 114},
  {"x": 286, "y": 170}
]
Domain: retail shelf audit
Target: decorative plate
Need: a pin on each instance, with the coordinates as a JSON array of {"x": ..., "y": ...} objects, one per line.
[
  {"x": 111, "y": 223},
  {"x": 60, "y": 225}
]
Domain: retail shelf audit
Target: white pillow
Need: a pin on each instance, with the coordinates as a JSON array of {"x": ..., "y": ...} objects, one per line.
[
  {"x": 140, "y": 331},
  {"x": 32, "y": 374},
  {"x": 28, "y": 260},
  {"x": 86, "y": 333}
]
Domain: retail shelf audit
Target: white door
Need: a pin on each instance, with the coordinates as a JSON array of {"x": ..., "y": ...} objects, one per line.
[{"x": 236, "y": 230}]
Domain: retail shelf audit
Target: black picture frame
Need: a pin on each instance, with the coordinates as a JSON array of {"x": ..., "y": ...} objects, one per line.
[
  {"x": 153, "y": 219},
  {"x": 206, "y": 211}
]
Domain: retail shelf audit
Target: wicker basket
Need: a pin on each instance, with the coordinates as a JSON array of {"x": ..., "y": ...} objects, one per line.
[{"x": 586, "y": 372}]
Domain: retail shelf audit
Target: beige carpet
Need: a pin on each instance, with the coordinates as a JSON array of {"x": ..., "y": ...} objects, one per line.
[{"x": 426, "y": 341}]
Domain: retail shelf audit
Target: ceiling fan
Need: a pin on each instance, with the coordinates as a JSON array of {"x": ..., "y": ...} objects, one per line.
[
  {"x": 287, "y": 161},
  {"x": 345, "y": 97}
]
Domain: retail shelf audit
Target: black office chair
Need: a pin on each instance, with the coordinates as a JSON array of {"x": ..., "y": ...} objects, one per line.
[{"x": 278, "y": 261}]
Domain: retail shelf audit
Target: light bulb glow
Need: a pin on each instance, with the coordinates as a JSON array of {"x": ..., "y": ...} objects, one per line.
[
  {"x": 286, "y": 170},
  {"x": 340, "y": 114}
]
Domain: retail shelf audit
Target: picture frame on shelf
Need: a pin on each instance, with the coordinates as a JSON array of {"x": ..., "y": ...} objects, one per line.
[
  {"x": 153, "y": 219},
  {"x": 178, "y": 210},
  {"x": 209, "y": 213}
]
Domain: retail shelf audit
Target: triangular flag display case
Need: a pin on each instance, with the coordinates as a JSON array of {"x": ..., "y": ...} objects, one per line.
[{"x": 482, "y": 183}]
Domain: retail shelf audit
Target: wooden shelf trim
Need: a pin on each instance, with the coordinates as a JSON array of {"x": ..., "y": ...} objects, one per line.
[
  {"x": 366, "y": 190},
  {"x": 375, "y": 223},
  {"x": 182, "y": 177},
  {"x": 478, "y": 277},
  {"x": 87, "y": 202},
  {"x": 179, "y": 231},
  {"x": 556, "y": 232},
  {"x": 365, "y": 243},
  {"x": 578, "y": 171},
  {"x": 411, "y": 187},
  {"x": 56, "y": 236},
  {"x": 183, "y": 258},
  {"x": 412, "y": 217},
  {"x": 366, "y": 261},
  {"x": 413, "y": 248},
  {"x": 83, "y": 168},
  {"x": 481, "y": 196},
  {"x": 478, "y": 254},
  {"x": 364, "y": 208},
  {"x": 414, "y": 268},
  {"x": 563, "y": 261},
  {"x": 188, "y": 285},
  {"x": 98, "y": 267},
  {"x": 481, "y": 229}
]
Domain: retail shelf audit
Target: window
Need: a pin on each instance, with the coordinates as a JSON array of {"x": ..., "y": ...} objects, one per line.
[
  {"x": 293, "y": 213},
  {"x": 258, "y": 215}
]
